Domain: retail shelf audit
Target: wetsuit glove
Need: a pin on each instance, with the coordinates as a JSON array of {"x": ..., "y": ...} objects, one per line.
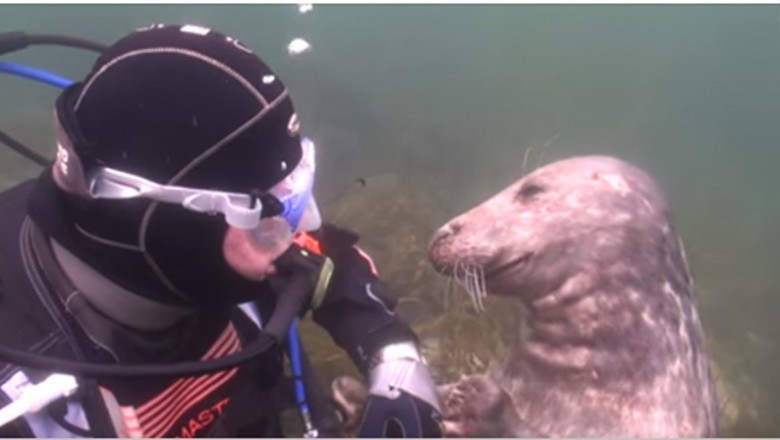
[
  {"x": 299, "y": 272},
  {"x": 357, "y": 309},
  {"x": 402, "y": 399}
]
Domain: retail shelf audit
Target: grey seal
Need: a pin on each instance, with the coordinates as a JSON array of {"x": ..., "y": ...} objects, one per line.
[{"x": 612, "y": 344}]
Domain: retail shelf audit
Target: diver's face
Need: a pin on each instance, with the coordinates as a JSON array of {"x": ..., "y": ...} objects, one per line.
[{"x": 251, "y": 260}]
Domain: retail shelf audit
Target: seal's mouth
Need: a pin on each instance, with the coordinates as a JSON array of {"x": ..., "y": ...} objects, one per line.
[
  {"x": 441, "y": 263},
  {"x": 505, "y": 267}
]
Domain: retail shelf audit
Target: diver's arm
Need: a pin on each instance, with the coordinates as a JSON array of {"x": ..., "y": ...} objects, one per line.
[
  {"x": 359, "y": 314},
  {"x": 402, "y": 400}
]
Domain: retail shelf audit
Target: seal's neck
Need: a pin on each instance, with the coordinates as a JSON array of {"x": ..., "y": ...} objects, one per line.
[{"x": 592, "y": 319}]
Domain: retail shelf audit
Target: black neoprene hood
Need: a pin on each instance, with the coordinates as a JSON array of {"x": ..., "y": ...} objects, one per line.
[{"x": 159, "y": 102}]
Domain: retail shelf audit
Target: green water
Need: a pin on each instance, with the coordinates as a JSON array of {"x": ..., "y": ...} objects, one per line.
[{"x": 458, "y": 93}]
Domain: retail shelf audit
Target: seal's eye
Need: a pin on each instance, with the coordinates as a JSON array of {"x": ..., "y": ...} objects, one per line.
[{"x": 530, "y": 190}]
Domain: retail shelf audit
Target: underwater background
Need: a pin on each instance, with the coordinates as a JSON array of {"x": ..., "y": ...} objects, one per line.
[{"x": 422, "y": 111}]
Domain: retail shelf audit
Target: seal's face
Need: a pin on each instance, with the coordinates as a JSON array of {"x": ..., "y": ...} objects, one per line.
[{"x": 540, "y": 230}]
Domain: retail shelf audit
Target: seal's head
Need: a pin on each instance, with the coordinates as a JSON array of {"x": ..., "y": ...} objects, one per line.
[{"x": 542, "y": 229}]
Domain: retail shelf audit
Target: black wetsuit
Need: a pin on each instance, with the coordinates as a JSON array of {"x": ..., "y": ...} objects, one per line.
[{"x": 37, "y": 315}]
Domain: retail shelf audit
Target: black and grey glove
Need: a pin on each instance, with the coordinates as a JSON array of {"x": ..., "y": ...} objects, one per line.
[
  {"x": 358, "y": 309},
  {"x": 402, "y": 399},
  {"x": 299, "y": 274}
]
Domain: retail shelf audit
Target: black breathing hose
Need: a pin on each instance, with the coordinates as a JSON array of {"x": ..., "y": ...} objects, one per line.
[
  {"x": 14, "y": 41},
  {"x": 22, "y": 149}
]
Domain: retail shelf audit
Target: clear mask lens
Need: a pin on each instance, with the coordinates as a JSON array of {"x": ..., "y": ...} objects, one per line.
[{"x": 295, "y": 192}]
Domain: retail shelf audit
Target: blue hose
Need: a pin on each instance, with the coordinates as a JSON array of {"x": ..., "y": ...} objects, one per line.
[
  {"x": 294, "y": 348},
  {"x": 35, "y": 74},
  {"x": 293, "y": 342}
]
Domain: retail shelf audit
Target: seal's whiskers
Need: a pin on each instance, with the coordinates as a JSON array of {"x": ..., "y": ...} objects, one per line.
[
  {"x": 468, "y": 283},
  {"x": 481, "y": 286},
  {"x": 459, "y": 275},
  {"x": 472, "y": 278},
  {"x": 474, "y": 287},
  {"x": 525, "y": 160},
  {"x": 449, "y": 292},
  {"x": 544, "y": 147}
]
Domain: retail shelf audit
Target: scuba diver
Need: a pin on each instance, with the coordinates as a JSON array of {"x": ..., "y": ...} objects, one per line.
[{"x": 151, "y": 276}]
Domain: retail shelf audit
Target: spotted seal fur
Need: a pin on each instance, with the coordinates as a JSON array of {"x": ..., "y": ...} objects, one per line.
[{"x": 612, "y": 343}]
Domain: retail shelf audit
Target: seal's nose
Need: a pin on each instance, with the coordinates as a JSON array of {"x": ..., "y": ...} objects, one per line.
[
  {"x": 446, "y": 231},
  {"x": 439, "y": 248},
  {"x": 438, "y": 236}
]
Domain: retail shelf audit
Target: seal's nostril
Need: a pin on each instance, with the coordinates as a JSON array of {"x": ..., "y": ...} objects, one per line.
[
  {"x": 446, "y": 232},
  {"x": 440, "y": 235}
]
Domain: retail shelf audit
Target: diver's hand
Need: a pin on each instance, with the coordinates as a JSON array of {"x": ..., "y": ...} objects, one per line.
[
  {"x": 403, "y": 416},
  {"x": 369, "y": 415},
  {"x": 297, "y": 273},
  {"x": 402, "y": 399},
  {"x": 293, "y": 284}
]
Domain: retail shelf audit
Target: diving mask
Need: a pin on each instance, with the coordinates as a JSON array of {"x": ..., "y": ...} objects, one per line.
[
  {"x": 299, "y": 209},
  {"x": 290, "y": 201}
]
